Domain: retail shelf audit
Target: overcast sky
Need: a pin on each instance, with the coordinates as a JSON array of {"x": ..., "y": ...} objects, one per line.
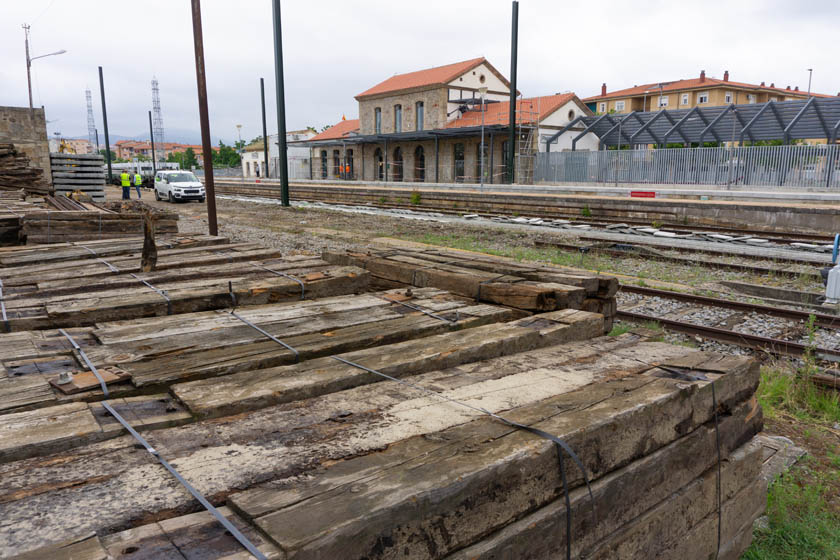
[{"x": 335, "y": 49}]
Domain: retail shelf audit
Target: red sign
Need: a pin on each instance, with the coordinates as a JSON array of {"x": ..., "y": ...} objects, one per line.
[{"x": 643, "y": 194}]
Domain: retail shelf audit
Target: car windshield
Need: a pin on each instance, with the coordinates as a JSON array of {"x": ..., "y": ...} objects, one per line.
[{"x": 181, "y": 178}]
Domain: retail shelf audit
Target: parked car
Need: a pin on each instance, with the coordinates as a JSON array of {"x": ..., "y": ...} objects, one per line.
[{"x": 176, "y": 186}]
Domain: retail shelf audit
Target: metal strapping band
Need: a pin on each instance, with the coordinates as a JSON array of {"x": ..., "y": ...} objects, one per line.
[
  {"x": 5, "y": 319},
  {"x": 261, "y": 331},
  {"x": 689, "y": 377},
  {"x": 429, "y": 313},
  {"x": 243, "y": 540},
  {"x": 289, "y": 276},
  {"x": 480, "y": 284},
  {"x": 561, "y": 445},
  {"x": 111, "y": 267},
  {"x": 163, "y": 293}
]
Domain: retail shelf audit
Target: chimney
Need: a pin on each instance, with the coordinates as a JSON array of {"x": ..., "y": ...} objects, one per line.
[
  {"x": 702, "y": 76},
  {"x": 796, "y": 88},
  {"x": 772, "y": 84},
  {"x": 788, "y": 88},
  {"x": 726, "y": 75},
  {"x": 762, "y": 84},
  {"x": 604, "y": 88}
]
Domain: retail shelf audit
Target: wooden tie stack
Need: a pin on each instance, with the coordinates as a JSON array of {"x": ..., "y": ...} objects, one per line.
[
  {"x": 529, "y": 286},
  {"x": 16, "y": 172},
  {"x": 331, "y": 419},
  {"x": 78, "y": 172}
]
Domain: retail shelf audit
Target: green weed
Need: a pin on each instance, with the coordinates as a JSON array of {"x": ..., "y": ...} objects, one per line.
[
  {"x": 415, "y": 198},
  {"x": 620, "y": 329},
  {"x": 586, "y": 212}
]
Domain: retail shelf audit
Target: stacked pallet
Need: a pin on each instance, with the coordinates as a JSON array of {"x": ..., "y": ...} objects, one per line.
[
  {"x": 97, "y": 223},
  {"x": 78, "y": 172},
  {"x": 17, "y": 173},
  {"x": 324, "y": 459},
  {"x": 528, "y": 286}
]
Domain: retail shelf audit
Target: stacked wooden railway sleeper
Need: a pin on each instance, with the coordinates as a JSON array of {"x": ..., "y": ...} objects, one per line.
[
  {"x": 530, "y": 286},
  {"x": 329, "y": 418},
  {"x": 17, "y": 172}
]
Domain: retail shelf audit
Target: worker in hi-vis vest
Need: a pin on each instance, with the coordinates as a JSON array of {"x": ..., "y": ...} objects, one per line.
[
  {"x": 125, "y": 181},
  {"x": 138, "y": 181}
]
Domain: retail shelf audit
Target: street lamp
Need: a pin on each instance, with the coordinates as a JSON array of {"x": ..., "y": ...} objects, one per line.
[
  {"x": 810, "y": 73},
  {"x": 29, "y": 61},
  {"x": 239, "y": 134},
  {"x": 482, "y": 91}
]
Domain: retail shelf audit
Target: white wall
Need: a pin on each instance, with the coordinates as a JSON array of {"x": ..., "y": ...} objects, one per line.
[
  {"x": 560, "y": 117},
  {"x": 472, "y": 79}
]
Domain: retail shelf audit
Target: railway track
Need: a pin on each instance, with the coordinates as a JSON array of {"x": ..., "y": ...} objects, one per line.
[{"x": 556, "y": 212}]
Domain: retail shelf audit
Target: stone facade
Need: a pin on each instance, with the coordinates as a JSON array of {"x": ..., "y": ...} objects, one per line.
[
  {"x": 434, "y": 109},
  {"x": 27, "y": 130}
]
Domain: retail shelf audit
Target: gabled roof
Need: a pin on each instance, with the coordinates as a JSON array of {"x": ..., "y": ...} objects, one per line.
[
  {"x": 693, "y": 83},
  {"x": 531, "y": 109},
  {"x": 338, "y": 131},
  {"x": 440, "y": 75}
]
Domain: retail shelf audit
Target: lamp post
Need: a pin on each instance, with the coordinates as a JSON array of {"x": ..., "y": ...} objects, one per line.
[
  {"x": 482, "y": 91},
  {"x": 810, "y": 73},
  {"x": 29, "y": 61}
]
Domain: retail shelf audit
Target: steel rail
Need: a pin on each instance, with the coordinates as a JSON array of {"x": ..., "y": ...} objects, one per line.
[
  {"x": 821, "y": 319},
  {"x": 770, "y": 345}
]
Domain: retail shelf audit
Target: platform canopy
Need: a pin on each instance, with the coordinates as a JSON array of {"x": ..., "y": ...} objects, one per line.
[{"x": 815, "y": 117}]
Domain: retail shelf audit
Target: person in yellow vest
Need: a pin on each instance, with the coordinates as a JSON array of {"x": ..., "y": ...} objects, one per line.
[
  {"x": 138, "y": 181},
  {"x": 125, "y": 181}
]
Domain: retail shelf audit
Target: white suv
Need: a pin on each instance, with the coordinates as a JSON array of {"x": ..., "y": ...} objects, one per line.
[{"x": 176, "y": 186}]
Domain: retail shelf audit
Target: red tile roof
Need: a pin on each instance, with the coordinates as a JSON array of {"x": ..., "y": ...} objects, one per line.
[
  {"x": 431, "y": 76},
  {"x": 692, "y": 83},
  {"x": 338, "y": 131},
  {"x": 527, "y": 110}
]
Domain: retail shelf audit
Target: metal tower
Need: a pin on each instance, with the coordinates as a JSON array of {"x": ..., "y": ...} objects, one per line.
[
  {"x": 92, "y": 136},
  {"x": 157, "y": 117}
]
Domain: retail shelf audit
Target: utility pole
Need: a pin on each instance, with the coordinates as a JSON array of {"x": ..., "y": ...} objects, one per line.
[
  {"x": 152, "y": 139},
  {"x": 105, "y": 125},
  {"x": 265, "y": 133},
  {"x": 204, "y": 117},
  {"x": 283, "y": 162},
  {"x": 482, "y": 91},
  {"x": 28, "y": 62},
  {"x": 514, "y": 41}
]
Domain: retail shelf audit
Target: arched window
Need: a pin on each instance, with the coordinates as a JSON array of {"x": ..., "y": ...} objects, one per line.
[
  {"x": 348, "y": 165},
  {"x": 323, "y": 164},
  {"x": 397, "y": 173},
  {"x": 458, "y": 162},
  {"x": 378, "y": 164},
  {"x": 418, "y": 115},
  {"x": 397, "y": 118},
  {"x": 419, "y": 164}
]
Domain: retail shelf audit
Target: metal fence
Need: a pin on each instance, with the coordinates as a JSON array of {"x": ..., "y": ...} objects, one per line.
[{"x": 813, "y": 167}]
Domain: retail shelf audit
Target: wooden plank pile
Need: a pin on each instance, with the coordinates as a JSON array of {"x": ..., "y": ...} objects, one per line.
[
  {"x": 327, "y": 460},
  {"x": 17, "y": 173},
  {"x": 354, "y": 424},
  {"x": 78, "y": 172},
  {"x": 528, "y": 286}
]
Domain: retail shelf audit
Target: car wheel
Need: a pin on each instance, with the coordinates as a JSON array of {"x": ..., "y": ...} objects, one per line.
[
  {"x": 157, "y": 195},
  {"x": 201, "y": 199},
  {"x": 169, "y": 197}
]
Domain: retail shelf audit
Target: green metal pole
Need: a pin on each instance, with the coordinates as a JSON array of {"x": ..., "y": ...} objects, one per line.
[
  {"x": 514, "y": 39},
  {"x": 281, "y": 105}
]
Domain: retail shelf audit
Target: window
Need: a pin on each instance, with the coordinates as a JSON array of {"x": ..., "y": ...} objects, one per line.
[
  {"x": 703, "y": 97},
  {"x": 348, "y": 165},
  {"x": 323, "y": 164},
  {"x": 684, "y": 99},
  {"x": 418, "y": 115},
  {"x": 619, "y": 105},
  {"x": 336, "y": 163},
  {"x": 750, "y": 98},
  {"x": 397, "y": 118},
  {"x": 571, "y": 114},
  {"x": 602, "y": 107},
  {"x": 663, "y": 100},
  {"x": 419, "y": 164},
  {"x": 727, "y": 97},
  {"x": 377, "y": 120}
]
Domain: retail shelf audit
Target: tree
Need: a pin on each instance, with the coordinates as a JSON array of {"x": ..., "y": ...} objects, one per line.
[
  {"x": 226, "y": 156},
  {"x": 185, "y": 159},
  {"x": 113, "y": 155}
]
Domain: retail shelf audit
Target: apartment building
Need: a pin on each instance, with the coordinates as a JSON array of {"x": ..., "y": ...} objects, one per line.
[
  {"x": 426, "y": 126},
  {"x": 704, "y": 91}
]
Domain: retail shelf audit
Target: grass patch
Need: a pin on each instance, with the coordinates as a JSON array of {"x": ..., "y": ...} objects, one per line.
[
  {"x": 415, "y": 198},
  {"x": 620, "y": 329},
  {"x": 586, "y": 212},
  {"x": 801, "y": 524}
]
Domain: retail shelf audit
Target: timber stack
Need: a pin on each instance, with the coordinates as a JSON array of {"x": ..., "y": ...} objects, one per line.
[
  {"x": 326, "y": 416},
  {"x": 529, "y": 286},
  {"x": 78, "y": 172},
  {"x": 17, "y": 173}
]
